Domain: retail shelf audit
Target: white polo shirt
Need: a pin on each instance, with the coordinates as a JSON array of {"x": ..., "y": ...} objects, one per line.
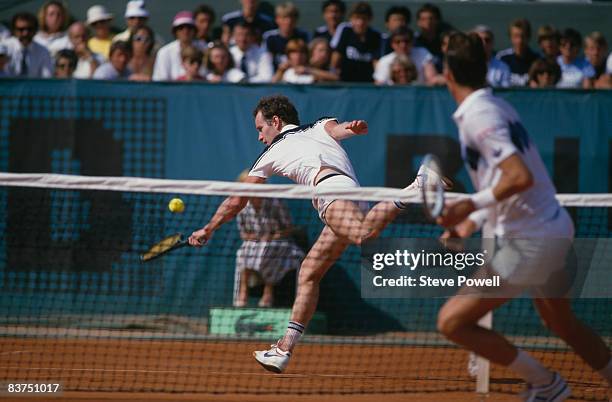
[
  {"x": 490, "y": 131},
  {"x": 298, "y": 153},
  {"x": 168, "y": 63}
]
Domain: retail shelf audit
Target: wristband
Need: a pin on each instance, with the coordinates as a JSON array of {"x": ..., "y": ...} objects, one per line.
[{"x": 484, "y": 198}]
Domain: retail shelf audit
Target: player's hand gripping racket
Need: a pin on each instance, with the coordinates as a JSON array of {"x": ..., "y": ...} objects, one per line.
[
  {"x": 164, "y": 246},
  {"x": 433, "y": 185}
]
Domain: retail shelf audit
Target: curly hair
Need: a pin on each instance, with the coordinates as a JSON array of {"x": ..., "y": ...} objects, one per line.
[{"x": 277, "y": 105}]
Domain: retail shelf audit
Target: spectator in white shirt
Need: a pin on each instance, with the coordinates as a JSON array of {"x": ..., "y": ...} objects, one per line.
[
  {"x": 168, "y": 62},
  {"x": 252, "y": 59},
  {"x": 220, "y": 65},
  {"x": 498, "y": 72},
  {"x": 28, "y": 58},
  {"x": 137, "y": 16},
  {"x": 65, "y": 63},
  {"x": 401, "y": 43},
  {"x": 116, "y": 68},
  {"x": 88, "y": 61},
  {"x": 576, "y": 71},
  {"x": 52, "y": 21}
]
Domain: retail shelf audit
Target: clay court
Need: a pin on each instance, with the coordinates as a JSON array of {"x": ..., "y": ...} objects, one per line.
[{"x": 127, "y": 369}]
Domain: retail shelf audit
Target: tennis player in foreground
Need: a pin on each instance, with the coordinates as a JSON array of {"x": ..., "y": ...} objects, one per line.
[
  {"x": 310, "y": 155},
  {"x": 517, "y": 198}
]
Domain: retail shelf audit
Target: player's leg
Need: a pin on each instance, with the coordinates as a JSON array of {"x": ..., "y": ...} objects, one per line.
[
  {"x": 458, "y": 321},
  {"x": 347, "y": 219},
  {"x": 323, "y": 254},
  {"x": 326, "y": 250},
  {"x": 558, "y": 316}
]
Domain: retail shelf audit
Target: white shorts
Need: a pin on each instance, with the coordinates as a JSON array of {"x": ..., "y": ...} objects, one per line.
[
  {"x": 321, "y": 204},
  {"x": 537, "y": 260}
]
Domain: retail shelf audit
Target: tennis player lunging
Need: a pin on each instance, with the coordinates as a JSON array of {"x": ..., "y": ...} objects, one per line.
[
  {"x": 517, "y": 198},
  {"x": 310, "y": 155}
]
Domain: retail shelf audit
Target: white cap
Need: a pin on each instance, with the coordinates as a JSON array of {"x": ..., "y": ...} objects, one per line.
[
  {"x": 98, "y": 13},
  {"x": 136, "y": 8}
]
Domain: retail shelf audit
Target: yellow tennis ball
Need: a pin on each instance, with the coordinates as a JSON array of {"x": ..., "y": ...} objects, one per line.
[{"x": 176, "y": 205}]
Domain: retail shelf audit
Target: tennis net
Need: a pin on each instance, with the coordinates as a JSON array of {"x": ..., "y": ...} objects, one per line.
[{"x": 79, "y": 307}]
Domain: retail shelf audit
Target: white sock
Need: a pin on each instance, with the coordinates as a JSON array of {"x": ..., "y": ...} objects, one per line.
[
  {"x": 292, "y": 336},
  {"x": 530, "y": 369},
  {"x": 606, "y": 372}
]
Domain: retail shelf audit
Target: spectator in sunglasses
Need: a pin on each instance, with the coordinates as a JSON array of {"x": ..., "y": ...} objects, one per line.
[
  {"x": 143, "y": 57},
  {"x": 65, "y": 63},
  {"x": 137, "y": 16},
  {"x": 27, "y": 58}
]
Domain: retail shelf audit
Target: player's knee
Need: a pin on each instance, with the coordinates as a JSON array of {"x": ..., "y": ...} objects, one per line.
[
  {"x": 364, "y": 237},
  {"x": 309, "y": 276},
  {"x": 449, "y": 325}
]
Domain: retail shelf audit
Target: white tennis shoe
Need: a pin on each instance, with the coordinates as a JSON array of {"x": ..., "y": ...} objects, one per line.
[
  {"x": 556, "y": 391},
  {"x": 414, "y": 189},
  {"x": 274, "y": 359}
]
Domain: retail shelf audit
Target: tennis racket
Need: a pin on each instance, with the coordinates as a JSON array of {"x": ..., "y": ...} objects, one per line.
[
  {"x": 164, "y": 246},
  {"x": 433, "y": 185}
]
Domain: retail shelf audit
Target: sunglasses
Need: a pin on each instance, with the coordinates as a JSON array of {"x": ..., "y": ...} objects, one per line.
[
  {"x": 142, "y": 38},
  {"x": 63, "y": 65},
  {"x": 185, "y": 26},
  {"x": 403, "y": 40},
  {"x": 24, "y": 29}
]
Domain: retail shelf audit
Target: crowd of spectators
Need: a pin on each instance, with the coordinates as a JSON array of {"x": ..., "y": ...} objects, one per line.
[{"x": 253, "y": 46}]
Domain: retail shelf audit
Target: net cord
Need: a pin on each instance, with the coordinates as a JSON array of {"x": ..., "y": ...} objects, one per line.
[{"x": 222, "y": 188}]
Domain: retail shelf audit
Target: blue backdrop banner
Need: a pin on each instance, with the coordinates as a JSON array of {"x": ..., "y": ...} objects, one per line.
[{"x": 202, "y": 131}]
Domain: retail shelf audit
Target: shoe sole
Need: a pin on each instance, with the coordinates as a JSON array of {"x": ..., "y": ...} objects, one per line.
[{"x": 268, "y": 367}]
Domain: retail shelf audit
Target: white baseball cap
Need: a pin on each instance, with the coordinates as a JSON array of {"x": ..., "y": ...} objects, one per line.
[
  {"x": 136, "y": 8},
  {"x": 98, "y": 13}
]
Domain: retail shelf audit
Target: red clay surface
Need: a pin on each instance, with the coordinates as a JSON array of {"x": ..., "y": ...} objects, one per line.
[{"x": 127, "y": 369}]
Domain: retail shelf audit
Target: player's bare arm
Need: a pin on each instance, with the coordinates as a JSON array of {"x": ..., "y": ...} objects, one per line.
[
  {"x": 341, "y": 131},
  {"x": 515, "y": 178},
  {"x": 228, "y": 209}
]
